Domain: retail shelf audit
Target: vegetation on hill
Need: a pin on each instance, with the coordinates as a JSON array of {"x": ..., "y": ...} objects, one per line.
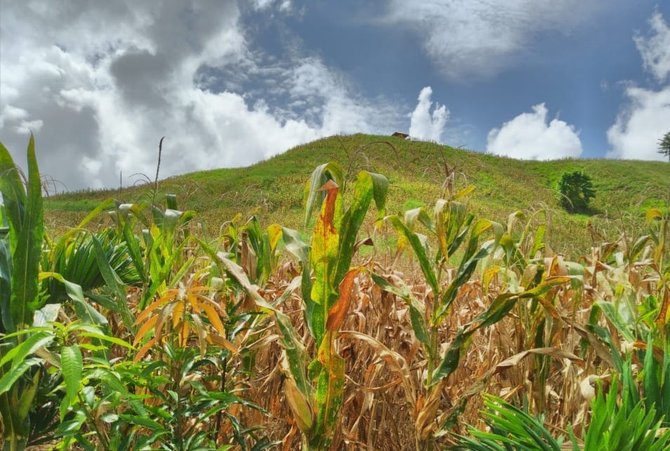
[
  {"x": 373, "y": 325},
  {"x": 418, "y": 172}
]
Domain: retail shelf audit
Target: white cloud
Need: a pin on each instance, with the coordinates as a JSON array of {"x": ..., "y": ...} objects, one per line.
[
  {"x": 479, "y": 38},
  {"x": 645, "y": 117},
  {"x": 425, "y": 124},
  {"x": 100, "y": 97},
  {"x": 641, "y": 123},
  {"x": 284, "y": 6},
  {"x": 529, "y": 137},
  {"x": 655, "y": 49}
]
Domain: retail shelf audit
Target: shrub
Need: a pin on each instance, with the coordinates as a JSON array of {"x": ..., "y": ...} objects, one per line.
[{"x": 576, "y": 191}]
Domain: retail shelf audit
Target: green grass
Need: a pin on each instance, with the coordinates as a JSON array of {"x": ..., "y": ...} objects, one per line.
[{"x": 273, "y": 189}]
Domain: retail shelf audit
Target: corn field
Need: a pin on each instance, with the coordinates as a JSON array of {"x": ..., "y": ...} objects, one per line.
[{"x": 365, "y": 330}]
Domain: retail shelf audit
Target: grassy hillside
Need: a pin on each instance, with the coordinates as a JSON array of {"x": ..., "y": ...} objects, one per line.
[{"x": 273, "y": 189}]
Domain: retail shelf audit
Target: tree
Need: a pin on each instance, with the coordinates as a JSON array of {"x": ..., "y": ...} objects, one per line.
[
  {"x": 664, "y": 145},
  {"x": 576, "y": 190}
]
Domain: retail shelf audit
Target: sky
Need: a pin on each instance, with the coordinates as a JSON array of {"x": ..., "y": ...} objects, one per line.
[{"x": 232, "y": 82}]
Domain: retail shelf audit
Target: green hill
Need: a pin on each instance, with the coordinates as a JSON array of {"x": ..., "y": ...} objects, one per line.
[{"x": 273, "y": 189}]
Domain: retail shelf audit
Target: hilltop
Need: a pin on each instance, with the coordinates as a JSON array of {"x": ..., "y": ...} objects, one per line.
[{"x": 273, "y": 189}]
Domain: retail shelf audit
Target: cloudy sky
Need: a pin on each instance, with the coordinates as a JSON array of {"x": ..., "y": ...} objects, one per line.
[{"x": 233, "y": 82}]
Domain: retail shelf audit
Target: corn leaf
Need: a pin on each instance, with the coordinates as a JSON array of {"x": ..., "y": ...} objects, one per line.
[
  {"x": 15, "y": 372},
  {"x": 338, "y": 312},
  {"x": 419, "y": 251},
  {"x": 323, "y": 259},
  {"x": 313, "y": 194}
]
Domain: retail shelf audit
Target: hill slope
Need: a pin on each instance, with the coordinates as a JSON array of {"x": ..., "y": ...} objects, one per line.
[{"x": 273, "y": 189}]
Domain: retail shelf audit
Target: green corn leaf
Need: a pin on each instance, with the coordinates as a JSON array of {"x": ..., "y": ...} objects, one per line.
[
  {"x": 294, "y": 351},
  {"x": 452, "y": 357},
  {"x": 15, "y": 372},
  {"x": 351, "y": 223},
  {"x": 615, "y": 318},
  {"x": 496, "y": 312},
  {"x": 13, "y": 195},
  {"x": 101, "y": 207},
  {"x": 296, "y": 246},
  {"x": 31, "y": 344},
  {"x": 419, "y": 251},
  {"x": 26, "y": 233},
  {"x": 27, "y": 396},
  {"x": 464, "y": 273},
  {"x": 72, "y": 365},
  {"x": 5, "y": 285}
]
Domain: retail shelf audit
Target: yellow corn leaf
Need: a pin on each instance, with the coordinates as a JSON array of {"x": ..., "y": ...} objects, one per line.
[
  {"x": 213, "y": 317},
  {"x": 169, "y": 295},
  {"x": 146, "y": 327},
  {"x": 220, "y": 341},
  {"x": 144, "y": 349}
]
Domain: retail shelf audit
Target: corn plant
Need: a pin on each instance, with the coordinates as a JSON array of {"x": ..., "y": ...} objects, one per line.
[
  {"x": 455, "y": 235},
  {"x": 19, "y": 299},
  {"x": 314, "y": 389},
  {"x": 159, "y": 255}
]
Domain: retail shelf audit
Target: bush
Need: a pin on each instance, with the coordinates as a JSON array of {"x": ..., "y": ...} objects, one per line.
[{"x": 576, "y": 190}]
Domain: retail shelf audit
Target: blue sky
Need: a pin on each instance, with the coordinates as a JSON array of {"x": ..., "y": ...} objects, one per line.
[{"x": 233, "y": 82}]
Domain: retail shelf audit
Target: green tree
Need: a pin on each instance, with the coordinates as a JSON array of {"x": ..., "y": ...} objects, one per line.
[
  {"x": 664, "y": 145},
  {"x": 576, "y": 191}
]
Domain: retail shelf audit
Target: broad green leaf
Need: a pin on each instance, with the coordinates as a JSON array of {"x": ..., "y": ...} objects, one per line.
[{"x": 72, "y": 365}]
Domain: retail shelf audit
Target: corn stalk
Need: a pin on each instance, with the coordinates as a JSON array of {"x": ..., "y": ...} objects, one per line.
[{"x": 314, "y": 390}]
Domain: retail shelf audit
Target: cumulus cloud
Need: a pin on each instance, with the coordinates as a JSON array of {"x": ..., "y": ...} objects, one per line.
[
  {"x": 655, "y": 49},
  {"x": 424, "y": 123},
  {"x": 529, "y": 137},
  {"x": 481, "y": 37},
  {"x": 99, "y": 97},
  {"x": 645, "y": 115}
]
